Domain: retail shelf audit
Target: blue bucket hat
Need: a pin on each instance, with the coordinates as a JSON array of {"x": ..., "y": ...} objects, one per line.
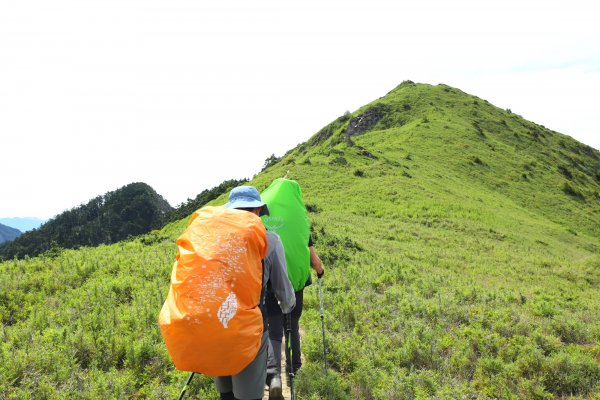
[{"x": 246, "y": 197}]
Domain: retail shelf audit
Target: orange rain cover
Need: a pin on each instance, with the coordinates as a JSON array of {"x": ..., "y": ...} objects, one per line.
[{"x": 210, "y": 321}]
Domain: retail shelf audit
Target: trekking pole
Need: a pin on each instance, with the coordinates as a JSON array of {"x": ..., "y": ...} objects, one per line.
[
  {"x": 185, "y": 388},
  {"x": 322, "y": 323},
  {"x": 288, "y": 329}
]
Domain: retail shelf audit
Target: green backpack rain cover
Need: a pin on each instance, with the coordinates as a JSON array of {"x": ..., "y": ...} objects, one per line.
[{"x": 289, "y": 219}]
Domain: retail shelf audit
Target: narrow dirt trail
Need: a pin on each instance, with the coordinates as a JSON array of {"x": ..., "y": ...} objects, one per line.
[{"x": 287, "y": 393}]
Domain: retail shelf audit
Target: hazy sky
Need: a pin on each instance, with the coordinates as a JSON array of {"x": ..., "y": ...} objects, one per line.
[{"x": 185, "y": 94}]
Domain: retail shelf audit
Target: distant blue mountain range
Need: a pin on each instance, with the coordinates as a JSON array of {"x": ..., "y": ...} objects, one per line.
[
  {"x": 7, "y": 233},
  {"x": 23, "y": 224}
]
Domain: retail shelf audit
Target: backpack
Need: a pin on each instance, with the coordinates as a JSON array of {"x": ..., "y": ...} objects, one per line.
[
  {"x": 210, "y": 321},
  {"x": 289, "y": 219}
]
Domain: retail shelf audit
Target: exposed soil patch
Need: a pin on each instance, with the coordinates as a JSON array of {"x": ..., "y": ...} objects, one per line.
[{"x": 286, "y": 391}]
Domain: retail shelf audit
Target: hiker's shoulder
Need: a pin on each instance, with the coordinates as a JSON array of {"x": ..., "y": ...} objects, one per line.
[
  {"x": 272, "y": 237},
  {"x": 273, "y": 242}
]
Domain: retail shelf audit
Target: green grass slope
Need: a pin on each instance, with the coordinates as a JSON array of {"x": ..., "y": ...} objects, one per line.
[{"x": 463, "y": 261}]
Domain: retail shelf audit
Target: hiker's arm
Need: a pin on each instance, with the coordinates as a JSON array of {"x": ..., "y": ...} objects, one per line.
[
  {"x": 315, "y": 262},
  {"x": 280, "y": 283}
]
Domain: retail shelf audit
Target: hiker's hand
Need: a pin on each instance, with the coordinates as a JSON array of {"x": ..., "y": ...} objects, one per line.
[{"x": 315, "y": 262}]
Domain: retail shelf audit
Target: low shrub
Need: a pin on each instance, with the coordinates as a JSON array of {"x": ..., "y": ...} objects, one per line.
[
  {"x": 565, "y": 171},
  {"x": 338, "y": 161},
  {"x": 314, "y": 382},
  {"x": 571, "y": 191},
  {"x": 571, "y": 374}
]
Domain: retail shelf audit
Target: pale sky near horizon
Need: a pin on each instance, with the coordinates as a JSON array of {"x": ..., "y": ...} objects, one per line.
[{"x": 185, "y": 94}]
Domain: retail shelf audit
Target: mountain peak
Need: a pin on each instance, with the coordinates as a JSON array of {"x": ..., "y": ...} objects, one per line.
[{"x": 452, "y": 135}]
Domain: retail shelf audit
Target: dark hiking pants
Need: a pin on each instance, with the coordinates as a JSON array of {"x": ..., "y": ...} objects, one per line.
[{"x": 277, "y": 329}]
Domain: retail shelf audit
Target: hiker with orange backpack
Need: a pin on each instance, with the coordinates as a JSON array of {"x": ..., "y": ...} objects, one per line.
[
  {"x": 288, "y": 218},
  {"x": 214, "y": 319}
]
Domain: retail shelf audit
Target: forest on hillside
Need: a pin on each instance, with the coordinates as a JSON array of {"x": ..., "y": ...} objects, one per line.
[{"x": 129, "y": 211}]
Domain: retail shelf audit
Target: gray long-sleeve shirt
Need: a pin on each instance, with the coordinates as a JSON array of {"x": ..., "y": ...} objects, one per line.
[{"x": 275, "y": 273}]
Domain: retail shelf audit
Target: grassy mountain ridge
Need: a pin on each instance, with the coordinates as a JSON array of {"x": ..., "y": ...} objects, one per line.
[
  {"x": 468, "y": 138},
  {"x": 462, "y": 255}
]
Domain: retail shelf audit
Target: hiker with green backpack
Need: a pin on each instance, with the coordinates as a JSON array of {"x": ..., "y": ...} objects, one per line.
[
  {"x": 275, "y": 276},
  {"x": 289, "y": 219}
]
